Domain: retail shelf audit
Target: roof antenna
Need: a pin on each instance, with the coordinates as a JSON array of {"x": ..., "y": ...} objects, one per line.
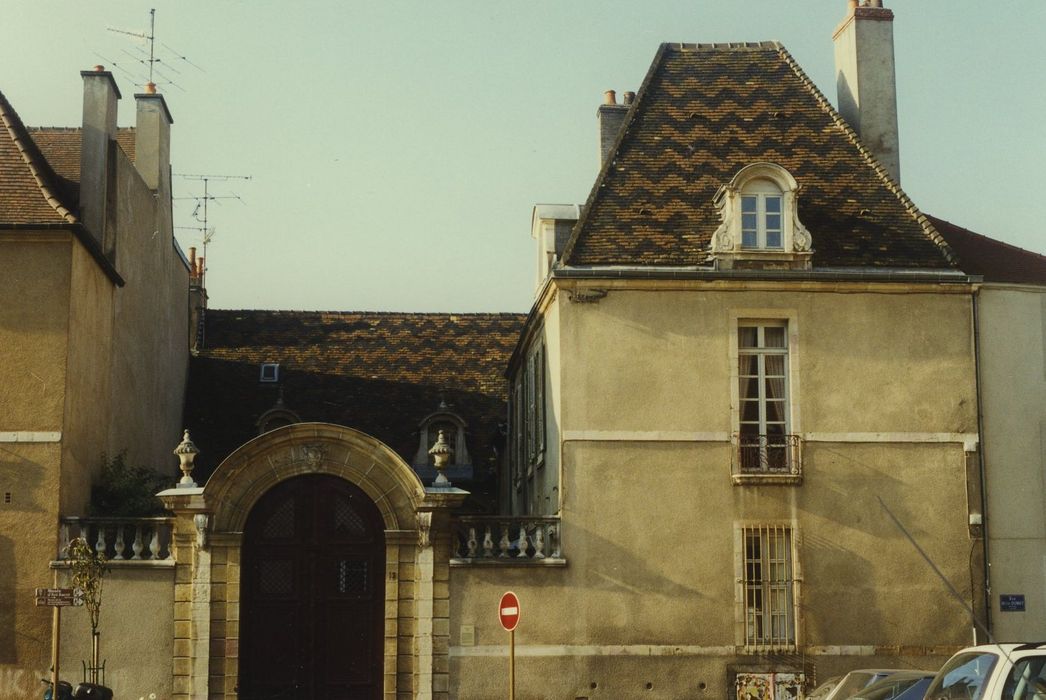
[
  {"x": 201, "y": 204},
  {"x": 153, "y": 59}
]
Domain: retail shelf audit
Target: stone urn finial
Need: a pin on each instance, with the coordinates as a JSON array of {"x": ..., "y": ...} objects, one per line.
[
  {"x": 186, "y": 453},
  {"x": 441, "y": 452}
]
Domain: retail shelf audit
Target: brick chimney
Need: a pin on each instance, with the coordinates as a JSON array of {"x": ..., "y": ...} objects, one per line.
[
  {"x": 152, "y": 140},
  {"x": 96, "y": 150},
  {"x": 611, "y": 117},
  {"x": 865, "y": 79}
]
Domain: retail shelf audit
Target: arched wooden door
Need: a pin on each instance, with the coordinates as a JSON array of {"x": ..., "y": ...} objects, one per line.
[{"x": 312, "y": 593}]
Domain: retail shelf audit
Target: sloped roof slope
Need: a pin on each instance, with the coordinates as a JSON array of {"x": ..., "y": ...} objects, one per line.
[
  {"x": 381, "y": 373},
  {"x": 704, "y": 112},
  {"x": 994, "y": 260},
  {"x": 30, "y": 192},
  {"x": 61, "y": 146}
]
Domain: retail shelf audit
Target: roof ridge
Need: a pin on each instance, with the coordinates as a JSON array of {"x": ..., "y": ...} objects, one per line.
[
  {"x": 318, "y": 312},
  {"x": 724, "y": 46},
  {"x": 887, "y": 180},
  {"x": 39, "y": 168}
]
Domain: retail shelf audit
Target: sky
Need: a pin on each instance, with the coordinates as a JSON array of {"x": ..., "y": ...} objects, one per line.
[{"x": 396, "y": 148}]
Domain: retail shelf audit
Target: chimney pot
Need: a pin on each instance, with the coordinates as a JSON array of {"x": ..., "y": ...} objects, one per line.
[
  {"x": 630, "y": 97},
  {"x": 99, "y": 68},
  {"x": 150, "y": 88},
  {"x": 852, "y": 4},
  {"x": 610, "y": 97}
]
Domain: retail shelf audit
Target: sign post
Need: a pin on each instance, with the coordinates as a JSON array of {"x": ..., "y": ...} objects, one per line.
[
  {"x": 57, "y": 598},
  {"x": 508, "y": 615}
]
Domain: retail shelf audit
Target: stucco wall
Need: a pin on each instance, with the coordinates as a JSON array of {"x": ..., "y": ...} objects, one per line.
[
  {"x": 150, "y": 341},
  {"x": 882, "y": 383},
  {"x": 136, "y": 622},
  {"x": 1013, "y": 394}
]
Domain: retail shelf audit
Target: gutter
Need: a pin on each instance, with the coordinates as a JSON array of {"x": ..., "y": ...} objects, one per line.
[
  {"x": 83, "y": 235},
  {"x": 824, "y": 275},
  {"x": 983, "y": 476}
]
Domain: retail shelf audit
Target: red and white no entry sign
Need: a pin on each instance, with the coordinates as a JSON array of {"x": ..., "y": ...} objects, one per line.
[{"x": 508, "y": 611}]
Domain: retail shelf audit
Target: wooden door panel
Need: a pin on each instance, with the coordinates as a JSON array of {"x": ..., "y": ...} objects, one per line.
[{"x": 312, "y": 593}]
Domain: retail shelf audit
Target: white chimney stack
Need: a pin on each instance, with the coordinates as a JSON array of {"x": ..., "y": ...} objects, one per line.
[{"x": 866, "y": 80}]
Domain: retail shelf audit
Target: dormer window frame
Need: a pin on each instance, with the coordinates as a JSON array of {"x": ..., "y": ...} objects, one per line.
[
  {"x": 269, "y": 373},
  {"x": 746, "y": 207}
]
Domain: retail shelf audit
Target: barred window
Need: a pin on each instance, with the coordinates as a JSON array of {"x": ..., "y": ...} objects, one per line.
[{"x": 768, "y": 587}]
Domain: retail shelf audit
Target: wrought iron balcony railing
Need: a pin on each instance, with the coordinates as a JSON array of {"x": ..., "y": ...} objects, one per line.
[{"x": 774, "y": 457}]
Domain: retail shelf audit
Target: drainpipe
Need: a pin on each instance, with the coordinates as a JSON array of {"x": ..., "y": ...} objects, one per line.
[{"x": 985, "y": 521}]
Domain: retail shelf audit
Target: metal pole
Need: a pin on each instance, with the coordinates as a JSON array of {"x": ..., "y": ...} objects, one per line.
[
  {"x": 511, "y": 664},
  {"x": 56, "y": 631}
]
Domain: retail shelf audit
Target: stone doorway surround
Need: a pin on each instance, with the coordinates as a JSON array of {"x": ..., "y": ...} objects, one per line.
[{"x": 208, "y": 532}]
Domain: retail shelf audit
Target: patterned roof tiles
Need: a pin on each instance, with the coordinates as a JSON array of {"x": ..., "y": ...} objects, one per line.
[
  {"x": 381, "y": 373},
  {"x": 704, "y": 112}
]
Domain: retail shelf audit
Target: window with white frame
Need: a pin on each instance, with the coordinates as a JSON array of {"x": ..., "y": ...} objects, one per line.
[
  {"x": 527, "y": 421},
  {"x": 765, "y": 445},
  {"x": 761, "y": 209},
  {"x": 760, "y": 226},
  {"x": 768, "y": 587}
]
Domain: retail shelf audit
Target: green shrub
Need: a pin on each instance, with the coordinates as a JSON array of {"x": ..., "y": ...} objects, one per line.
[{"x": 121, "y": 490}]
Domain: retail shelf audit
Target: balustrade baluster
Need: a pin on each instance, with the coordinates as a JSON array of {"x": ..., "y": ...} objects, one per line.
[
  {"x": 522, "y": 553},
  {"x": 473, "y": 544},
  {"x": 553, "y": 539},
  {"x": 63, "y": 541},
  {"x": 154, "y": 543},
  {"x": 99, "y": 545},
  {"x": 488, "y": 542},
  {"x": 539, "y": 542},
  {"x": 137, "y": 545},
  {"x": 118, "y": 548},
  {"x": 505, "y": 542}
]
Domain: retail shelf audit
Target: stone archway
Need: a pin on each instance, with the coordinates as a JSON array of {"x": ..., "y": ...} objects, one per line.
[{"x": 209, "y": 536}]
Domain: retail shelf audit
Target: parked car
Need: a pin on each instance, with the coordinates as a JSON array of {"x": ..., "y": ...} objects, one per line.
[
  {"x": 903, "y": 685},
  {"x": 821, "y": 691},
  {"x": 992, "y": 672},
  {"x": 856, "y": 681}
]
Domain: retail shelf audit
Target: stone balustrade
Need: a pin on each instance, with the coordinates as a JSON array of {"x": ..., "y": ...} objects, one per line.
[
  {"x": 507, "y": 541},
  {"x": 145, "y": 541}
]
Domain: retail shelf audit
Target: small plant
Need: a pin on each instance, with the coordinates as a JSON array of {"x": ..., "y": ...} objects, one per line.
[
  {"x": 122, "y": 490},
  {"x": 88, "y": 568}
]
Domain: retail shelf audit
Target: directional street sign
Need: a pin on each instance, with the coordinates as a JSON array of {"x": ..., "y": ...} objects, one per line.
[
  {"x": 508, "y": 611},
  {"x": 59, "y": 597}
]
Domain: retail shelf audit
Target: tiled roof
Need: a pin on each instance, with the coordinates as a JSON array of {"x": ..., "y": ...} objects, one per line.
[
  {"x": 381, "y": 373},
  {"x": 40, "y": 169},
  {"x": 61, "y": 147},
  {"x": 994, "y": 260},
  {"x": 30, "y": 192},
  {"x": 704, "y": 112}
]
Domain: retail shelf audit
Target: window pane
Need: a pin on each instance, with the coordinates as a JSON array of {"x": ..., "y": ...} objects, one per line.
[
  {"x": 774, "y": 388},
  {"x": 748, "y": 205},
  {"x": 773, "y": 223},
  {"x": 749, "y": 240},
  {"x": 773, "y": 239},
  {"x": 773, "y": 205},
  {"x": 775, "y": 365},
  {"x": 749, "y": 411},
  {"x": 774, "y": 336},
  {"x": 748, "y": 365},
  {"x": 748, "y": 336}
]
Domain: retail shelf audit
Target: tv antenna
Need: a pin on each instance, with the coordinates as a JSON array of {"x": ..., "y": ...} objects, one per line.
[
  {"x": 199, "y": 213},
  {"x": 151, "y": 60}
]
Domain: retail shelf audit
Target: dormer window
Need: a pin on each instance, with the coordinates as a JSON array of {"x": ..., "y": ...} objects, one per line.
[
  {"x": 270, "y": 372},
  {"x": 760, "y": 221},
  {"x": 761, "y": 208}
]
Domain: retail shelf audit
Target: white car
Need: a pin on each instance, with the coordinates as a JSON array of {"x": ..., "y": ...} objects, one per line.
[{"x": 993, "y": 672}]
